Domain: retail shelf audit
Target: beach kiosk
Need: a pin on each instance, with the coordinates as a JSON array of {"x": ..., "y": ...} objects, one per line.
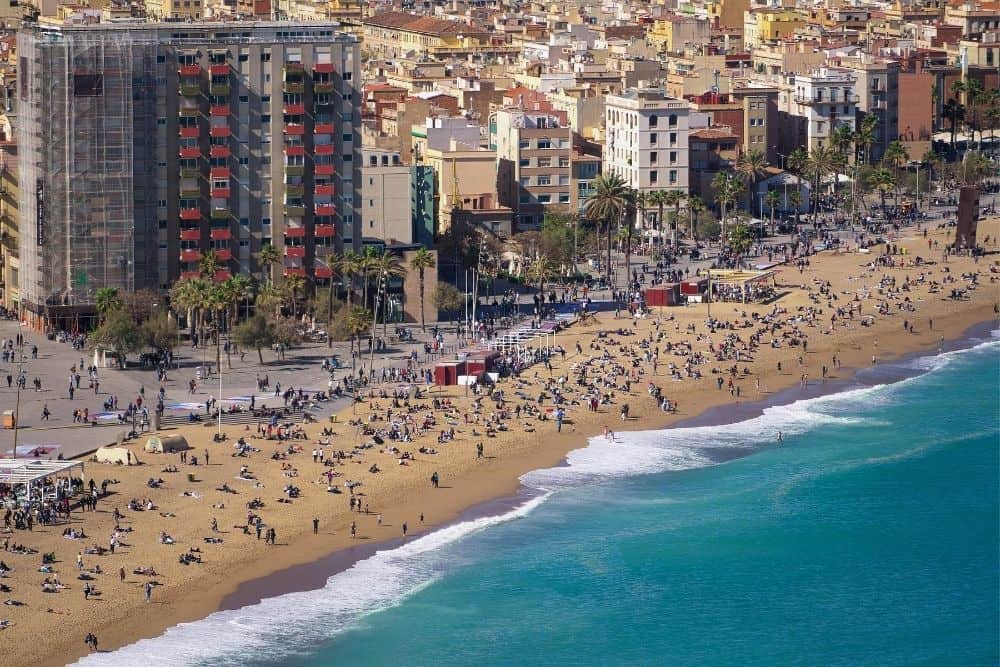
[
  {"x": 743, "y": 285},
  {"x": 33, "y": 480},
  {"x": 663, "y": 295}
]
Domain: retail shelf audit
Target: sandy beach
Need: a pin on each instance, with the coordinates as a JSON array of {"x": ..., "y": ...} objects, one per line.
[{"x": 786, "y": 343}]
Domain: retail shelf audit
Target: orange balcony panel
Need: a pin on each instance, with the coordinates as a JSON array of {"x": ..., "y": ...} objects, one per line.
[
  {"x": 295, "y": 150},
  {"x": 190, "y": 275},
  {"x": 220, "y": 172},
  {"x": 189, "y": 132},
  {"x": 219, "y": 151},
  {"x": 190, "y": 255},
  {"x": 324, "y": 170},
  {"x": 222, "y": 234},
  {"x": 219, "y": 110},
  {"x": 294, "y": 109},
  {"x": 219, "y": 70},
  {"x": 295, "y": 251},
  {"x": 221, "y": 193},
  {"x": 295, "y": 271},
  {"x": 190, "y": 234},
  {"x": 189, "y": 70},
  {"x": 324, "y": 231},
  {"x": 323, "y": 128},
  {"x": 323, "y": 149},
  {"x": 325, "y": 209},
  {"x": 190, "y": 152},
  {"x": 295, "y": 129},
  {"x": 223, "y": 254},
  {"x": 295, "y": 232},
  {"x": 190, "y": 214},
  {"x": 222, "y": 276},
  {"x": 326, "y": 68},
  {"x": 221, "y": 131},
  {"x": 324, "y": 190},
  {"x": 323, "y": 272}
]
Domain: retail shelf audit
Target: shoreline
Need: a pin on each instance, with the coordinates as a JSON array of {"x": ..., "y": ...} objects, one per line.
[{"x": 314, "y": 575}]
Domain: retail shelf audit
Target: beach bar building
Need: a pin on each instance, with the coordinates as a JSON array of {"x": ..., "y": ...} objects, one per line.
[
  {"x": 740, "y": 285},
  {"x": 29, "y": 480}
]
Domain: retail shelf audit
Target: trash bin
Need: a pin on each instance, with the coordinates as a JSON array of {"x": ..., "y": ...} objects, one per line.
[
  {"x": 8, "y": 419},
  {"x": 333, "y": 419}
]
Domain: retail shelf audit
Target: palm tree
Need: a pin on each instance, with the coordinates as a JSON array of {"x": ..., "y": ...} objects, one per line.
[
  {"x": 954, "y": 112},
  {"x": 795, "y": 199},
  {"x": 931, "y": 159},
  {"x": 797, "y": 160},
  {"x": 294, "y": 284},
  {"x": 727, "y": 188},
  {"x": 842, "y": 138},
  {"x": 366, "y": 263},
  {"x": 695, "y": 206},
  {"x": 270, "y": 257},
  {"x": 882, "y": 180},
  {"x": 740, "y": 241},
  {"x": 751, "y": 166},
  {"x": 384, "y": 266},
  {"x": 674, "y": 198},
  {"x": 658, "y": 198},
  {"x": 359, "y": 320},
  {"x": 538, "y": 271},
  {"x": 607, "y": 204},
  {"x": 772, "y": 199},
  {"x": 209, "y": 265},
  {"x": 421, "y": 260},
  {"x": 270, "y": 296},
  {"x": 232, "y": 292},
  {"x": 192, "y": 295},
  {"x": 895, "y": 155},
  {"x": 106, "y": 299},
  {"x": 822, "y": 161},
  {"x": 864, "y": 138},
  {"x": 350, "y": 267}
]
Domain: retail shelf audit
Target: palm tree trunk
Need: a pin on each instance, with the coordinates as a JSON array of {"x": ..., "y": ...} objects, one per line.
[
  {"x": 423, "y": 326},
  {"x": 608, "y": 267}
]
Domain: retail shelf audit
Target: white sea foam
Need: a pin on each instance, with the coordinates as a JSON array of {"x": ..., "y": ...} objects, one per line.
[{"x": 291, "y": 624}]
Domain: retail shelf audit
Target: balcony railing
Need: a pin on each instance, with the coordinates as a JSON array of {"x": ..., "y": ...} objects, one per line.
[
  {"x": 295, "y": 190},
  {"x": 295, "y": 251},
  {"x": 295, "y": 169},
  {"x": 323, "y": 231},
  {"x": 323, "y": 190},
  {"x": 220, "y": 131},
  {"x": 325, "y": 209},
  {"x": 189, "y": 132},
  {"x": 222, "y": 275},
  {"x": 221, "y": 89},
  {"x": 323, "y": 149},
  {"x": 219, "y": 151},
  {"x": 220, "y": 214},
  {"x": 191, "y": 234},
  {"x": 189, "y": 89},
  {"x": 323, "y": 271},
  {"x": 190, "y": 214},
  {"x": 295, "y": 232},
  {"x": 295, "y": 271},
  {"x": 189, "y": 112},
  {"x": 295, "y": 129},
  {"x": 294, "y": 211},
  {"x": 190, "y": 192},
  {"x": 219, "y": 110},
  {"x": 294, "y": 87},
  {"x": 190, "y": 275},
  {"x": 221, "y": 234},
  {"x": 322, "y": 88},
  {"x": 219, "y": 172},
  {"x": 190, "y": 172},
  {"x": 223, "y": 254},
  {"x": 219, "y": 70},
  {"x": 323, "y": 128},
  {"x": 323, "y": 170},
  {"x": 190, "y": 255},
  {"x": 294, "y": 109},
  {"x": 188, "y": 153},
  {"x": 189, "y": 70},
  {"x": 845, "y": 99}
]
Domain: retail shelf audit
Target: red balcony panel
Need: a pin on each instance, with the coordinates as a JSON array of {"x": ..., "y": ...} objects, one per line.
[
  {"x": 219, "y": 110},
  {"x": 324, "y": 190},
  {"x": 324, "y": 170},
  {"x": 295, "y": 271},
  {"x": 190, "y": 152},
  {"x": 189, "y": 132},
  {"x": 219, "y": 151},
  {"x": 295, "y": 232},
  {"x": 221, "y": 234},
  {"x": 219, "y": 70},
  {"x": 222, "y": 276},
  {"x": 325, "y": 209},
  {"x": 295, "y": 251},
  {"x": 220, "y": 172},
  {"x": 190, "y": 255},
  {"x": 191, "y": 234},
  {"x": 323, "y": 149},
  {"x": 189, "y": 70},
  {"x": 323, "y": 128},
  {"x": 326, "y": 68},
  {"x": 295, "y": 150},
  {"x": 324, "y": 231},
  {"x": 221, "y": 193},
  {"x": 190, "y": 214},
  {"x": 221, "y": 131},
  {"x": 295, "y": 129},
  {"x": 190, "y": 275},
  {"x": 294, "y": 109},
  {"x": 223, "y": 254},
  {"x": 323, "y": 272}
]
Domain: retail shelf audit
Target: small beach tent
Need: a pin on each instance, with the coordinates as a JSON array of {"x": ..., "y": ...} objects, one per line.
[
  {"x": 116, "y": 455},
  {"x": 167, "y": 444}
]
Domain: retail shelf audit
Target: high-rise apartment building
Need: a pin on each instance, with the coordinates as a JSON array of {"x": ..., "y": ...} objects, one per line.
[
  {"x": 147, "y": 145},
  {"x": 647, "y": 139}
]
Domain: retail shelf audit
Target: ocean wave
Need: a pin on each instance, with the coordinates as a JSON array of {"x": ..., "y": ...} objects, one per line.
[
  {"x": 376, "y": 583},
  {"x": 938, "y": 360}
]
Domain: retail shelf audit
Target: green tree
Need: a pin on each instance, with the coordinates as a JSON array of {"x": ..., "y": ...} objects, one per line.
[
  {"x": 695, "y": 207},
  {"x": 106, "y": 299},
  {"x": 607, "y": 204},
  {"x": 795, "y": 199},
  {"x": 160, "y": 332},
  {"x": 751, "y": 166},
  {"x": 773, "y": 200},
  {"x": 359, "y": 320},
  {"x": 740, "y": 240},
  {"x": 539, "y": 271},
  {"x": 821, "y": 163},
  {"x": 954, "y": 112},
  {"x": 727, "y": 189},
  {"x": 208, "y": 265},
  {"x": 882, "y": 180},
  {"x": 257, "y": 332},
  {"x": 658, "y": 198},
  {"x": 120, "y": 333},
  {"x": 269, "y": 258},
  {"x": 422, "y": 260},
  {"x": 674, "y": 198},
  {"x": 192, "y": 297},
  {"x": 294, "y": 285},
  {"x": 448, "y": 298}
]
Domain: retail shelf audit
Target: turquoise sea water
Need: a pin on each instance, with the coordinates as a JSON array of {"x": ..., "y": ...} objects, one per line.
[{"x": 870, "y": 536}]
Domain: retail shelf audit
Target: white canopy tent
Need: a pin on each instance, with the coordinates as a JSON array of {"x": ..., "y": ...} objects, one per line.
[{"x": 28, "y": 472}]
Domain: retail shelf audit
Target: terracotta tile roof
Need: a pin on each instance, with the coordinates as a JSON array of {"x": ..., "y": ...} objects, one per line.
[
  {"x": 424, "y": 25},
  {"x": 713, "y": 133}
]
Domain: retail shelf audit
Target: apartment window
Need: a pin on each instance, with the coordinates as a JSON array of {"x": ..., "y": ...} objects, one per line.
[
  {"x": 563, "y": 179},
  {"x": 563, "y": 197},
  {"x": 652, "y": 139},
  {"x": 654, "y": 177},
  {"x": 564, "y": 162},
  {"x": 524, "y": 162},
  {"x": 673, "y": 157},
  {"x": 347, "y": 136},
  {"x": 544, "y": 162},
  {"x": 525, "y": 182},
  {"x": 162, "y": 224},
  {"x": 161, "y": 121},
  {"x": 673, "y": 138},
  {"x": 265, "y": 118},
  {"x": 161, "y": 59},
  {"x": 523, "y": 144},
  {"x": 162, "y": 203},
  {"x": 245, "y": 244},
  {"x": 244, "y": 99},
  {"x": 244, "y": 160},
  {"x": 545, "y": 179},
  {"x": 672, "y": 120},
  {"x": 348, "y": 76},
  {"x": 544, "y": 143},
  {"x": 672, "y": 176},
  {"x": 265, "y": 99},
  {"x": 265, "y": 222},
  {"x": 524, "y": 199},
  {"x": 652, "y": 157},
  {"x": 244, "y": 222},
  {"x": 544, "y": 199},
  {"x": 653, "y": 122},
  {"x": 265, "y": 57},
  {"x": 348, "y": 157},
  {"x": 244, "y": 57}
]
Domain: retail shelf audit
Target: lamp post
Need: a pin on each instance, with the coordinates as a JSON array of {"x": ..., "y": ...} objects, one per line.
[{"x": 17, "y": 399}]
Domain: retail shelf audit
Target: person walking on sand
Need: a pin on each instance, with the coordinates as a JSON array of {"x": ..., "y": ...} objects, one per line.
[
  {"x": 315, "y": 525},
  {"x": 121, "y": 574},
  {"x": 404, "y": 529},
  {"x": 354, "y": 530},
  {"x": 91, "y": 641},
  {"x": 148, "y": 591}
]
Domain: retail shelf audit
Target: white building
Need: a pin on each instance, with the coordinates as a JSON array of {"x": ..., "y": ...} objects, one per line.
[
  {"x": 826, "y": 99},
  {"x": 647, "y": 139}
]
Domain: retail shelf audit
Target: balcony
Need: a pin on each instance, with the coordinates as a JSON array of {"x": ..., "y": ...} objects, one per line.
[
  {"x": 190, "y": 214},
  {"x": 323, "y": 272},
  {"x": 189, "y": 89},
  {"x": 323, "y": 231},
  {"x": 295, "y": 190},
  {"x": 219, "y": 151},
  {"x": 322, "y": 87},
  {"x": 295, "y": 169},
  {"x": 321, "y": 100},
  {"x": 219, "y": 89},
  {"x": 294, "y": 109},
  {"x": 324, "y": 250},
  {"x": 323, "y": 128},
  {"x": 190, "y": 192},
  {"x": 191, "y": 255},
  {"x": 222, "y": 275},
  {"x": 190, "y": 275},
  {"x": 191, "y": 234},
  {"x": 295, "y": 251},
  {"x": 219, "y": 172},
  {"x": 220, "y": 131},
  {"x": 189, "y": 70},
  {"x": 294, "y": 211},
  {"x": 190, "y": 172},
  {"x": 323, "y": 170},
  {"x": 846, "y": 99},
  {"x": 323, "y": 68},
  {"x": 189, "y": 112},
  {"x": 294, "y": 151},
  {"x": 189, "y": 132},
  {"x": 220, "y": 214},
  {"x": 295, "y": 271},
  {"x": 221, "y": 193},
  {"x": 325, "y": 209},
  {"x": 295, "y": 232},
  {"x": 221, "y": 234},
  {"x": 189, "y": 153},
  {"x": 291, "y": 66},
  {"x": 295, "y": 129},
  {"x": 323, "y": 190},
  {"x": 323, "y": 149},
  {"x": 219, "y": 110},
  {"x": 294, "y": 87},
  {"x": 219, "y": 70},
  {"x": 223, "y": 254}
]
